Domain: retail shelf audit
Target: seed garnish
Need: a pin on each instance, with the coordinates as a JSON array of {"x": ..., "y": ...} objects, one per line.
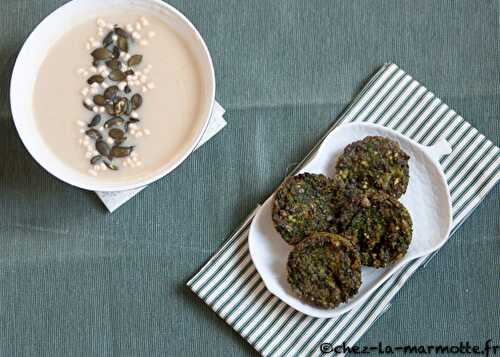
[
  {"x": 95, "y": 121},
  {"x": 115, "y": 104}
]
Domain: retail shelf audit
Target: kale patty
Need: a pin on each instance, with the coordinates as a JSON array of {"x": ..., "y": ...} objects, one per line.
[
  {"x": 377, "y": 223},
  {"x": 302, "y": 206},
  {"x": 324, "y": 270},
  {"x": 375, "y": 162}
]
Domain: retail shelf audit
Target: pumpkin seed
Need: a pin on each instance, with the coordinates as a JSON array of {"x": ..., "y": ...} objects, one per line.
[
  {"x": 111, "y": 92},
  {"x": 136, "y": 101},
  {"x": 121, "y": 32},
  {"x": 95, "y": 159},
  {"x": 110, "y": 109},
  {"x": 114, "y": 63},
  {"x": 133, "y": 120},
  {"x": 116, "y": 52},
  {"x": 100, "y": 100},
  {"x": 101, "y": 54},
  {"x": 110, "y": 166},
  {"x": 128, "y": 111},
  {"x": 116, "y": 134},
  {"x": 94, "y": 134},
  {"x": 117, "y": 75},
  {"x": 102, "y": 148},
  {"x": 96, "y": 78},
  {"x": 95, "y": 121},
  {"x": 108, "y": 40},
  {"x": 88, "y": 107},
  {"x": 113, "y": 121},
  {"x": 127, "y": 89},
  {"x": 121, "y": 151},
  {"x": 122, "y": 43},
  {"x": 134, "y": 60},
  {"x": 121, "y": 106}
]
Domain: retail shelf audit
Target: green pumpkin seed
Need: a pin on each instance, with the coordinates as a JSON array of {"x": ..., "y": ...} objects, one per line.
[
  {"x": 101, "y": 54},
  {"x": 116, "y": 52},
  {"x": 121, "y": 151},
  {"x": 93, "y": 134},
  {"x": 136, "y": 101},
  {"x": 111, "y": 166},
  {"x": 95, "y": 159},
  {"x": 110, "y": 109},
  {"x": 116, "y": 134},
  {"x": 117, "y": 75},
  {"x": 111, "y": 92},
  {"x": 95, "y": 121},
  {"x": 114, "y": 63},
  {"x": 122, "y": 43},
  {"x": 121, "y": 106},
  {"x": 108, "y": 40},
  {"x": 96, "y": 78},
  {"x": 100, "y": 100},
  {"x": 121, "y": 32},
  {"x": 128, "y": 111},
  {"x": 114, "y": 121},
  {"x": 134, "y": 60},
  {"x": 102, "y": 148}
]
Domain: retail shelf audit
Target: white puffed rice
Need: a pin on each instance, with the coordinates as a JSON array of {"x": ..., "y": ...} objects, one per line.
[
  {"x": 144, "y": 21},
  {"x": 144, "y": 42},
  {"x": 129, "y": 27},
  {"x": 134, "y": 114},
  {"x": 136, "y": 35},
  {"x": 151, "y": 85},
  {"x": 147, "y": 132},
  {"x": 85, "y": 91},
  {"x": 80, "y": 123},
  {"x": 109, "y": 141}
]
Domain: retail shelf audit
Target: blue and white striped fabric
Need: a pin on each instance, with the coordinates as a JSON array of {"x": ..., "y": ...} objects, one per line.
[{"x": 231, "y": 286}]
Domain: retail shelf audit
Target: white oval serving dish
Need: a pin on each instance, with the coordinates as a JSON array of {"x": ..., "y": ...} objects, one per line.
[
  {"x": 427, "y": 199},
  {"x": 33, "y": 53}
]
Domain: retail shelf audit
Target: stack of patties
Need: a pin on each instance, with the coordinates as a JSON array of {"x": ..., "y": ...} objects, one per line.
[{"x": 337, "y": 225}]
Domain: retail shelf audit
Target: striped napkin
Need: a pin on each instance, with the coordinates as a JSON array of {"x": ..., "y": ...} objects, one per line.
[{"x": 231, "y": 286}]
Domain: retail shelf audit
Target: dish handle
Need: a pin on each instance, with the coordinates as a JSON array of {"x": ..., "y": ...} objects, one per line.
[{"x": 438, "y": 150}]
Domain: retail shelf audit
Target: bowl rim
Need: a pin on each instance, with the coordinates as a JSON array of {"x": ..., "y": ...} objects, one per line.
[{"x": 109, "y": 186}]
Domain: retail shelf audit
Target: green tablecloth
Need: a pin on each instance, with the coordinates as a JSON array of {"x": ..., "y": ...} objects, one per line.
[{"x": 76, "y": 281}]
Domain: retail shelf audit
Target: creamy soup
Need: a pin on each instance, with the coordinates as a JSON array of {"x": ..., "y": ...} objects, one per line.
[{"x": 156, "y": 80}]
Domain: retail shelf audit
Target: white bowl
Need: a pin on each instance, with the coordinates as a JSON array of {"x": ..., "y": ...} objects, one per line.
[
  {"x": 33, "y": 53},
  {"x": 427, "y": 198}
]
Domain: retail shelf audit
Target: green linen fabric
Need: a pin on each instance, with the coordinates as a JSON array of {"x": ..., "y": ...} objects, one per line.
[{"x": 76, "y": 281}]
